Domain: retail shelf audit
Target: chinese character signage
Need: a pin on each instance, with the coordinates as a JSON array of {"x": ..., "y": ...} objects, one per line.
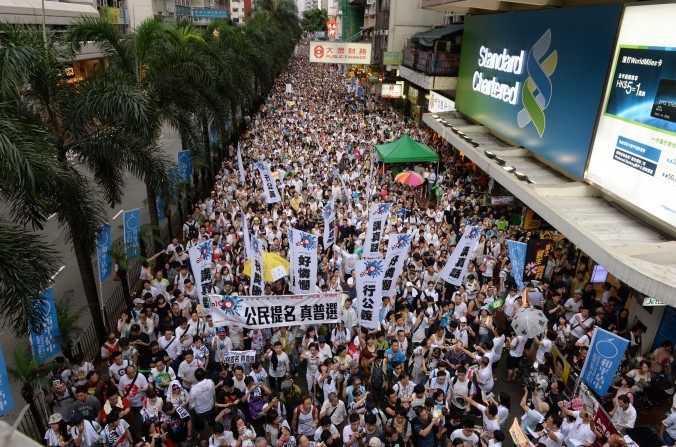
[
  {"x": 369, "y": 281},
  {"x": 340, "y": 52},
  {"x": 104, "y": 242},
  {"x": 456, "y": 266},
  {"x": 239, "y": 357},
  {"x": 208, "y": 13},
  {"x": 537, "y": 255},
  {"x": 262, "y": 312},
  {"x": 200, "y": 262},
  {"x": 332, "y": 28},
  {"x": 46, "y": 344},
  {"x": 605, "y": 354},
  {"x": 603, "y": 425},
  {"x": 253, "y": 252},
  {"x": 375, "y": 230},
  {"x": 440, "y": 104},
  {"x": 329, "y": 213},
  {"x": 303, "y": 252},
  {"x": 240, "y": 165},
  {"x": 397, "y": 252},
  {"x": 269, "y": 186},
  {"x": 132, "y": 233},
  {"x": 517, "y": 256},
  {"x": 6, "y": 400},
  {"x": 392, "y": 58},
  {"x": 184, "y": 166}
]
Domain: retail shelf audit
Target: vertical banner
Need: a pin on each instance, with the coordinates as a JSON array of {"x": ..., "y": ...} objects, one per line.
[
  {"x": 304, "y": 261},
  {"x": 329, "y": 213},
  {"x": 369, "y": 281},
  {"x": 603, "y": 425},
  {"x": 159, "y": 204},
  {"x": 517, "y": 256},
  {"x": 240, "y": 164},
  {"x": 253, "y": 252},
  {"x": 269, "y": 186},
  {"x": 46, "y": 344},
  {"x": 184, "y": 166},
  {"x": 378, "y": 214},
  {"x": 397, "y": 252},
  {"x": 104, "y": 242},
  {"x": 605, "y": 355},
  {"x": 6, "y": 400},
  {"x": 132, "y": 233},
  {"x": 537, "y": 256},
  {"x": 456, "y": 266},
  {"x": 200, "y": 263},
  {"x": 370, "y": 179}
]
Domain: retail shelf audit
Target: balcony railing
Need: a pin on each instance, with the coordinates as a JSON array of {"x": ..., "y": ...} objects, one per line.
[{"x": 431, "y": 62}]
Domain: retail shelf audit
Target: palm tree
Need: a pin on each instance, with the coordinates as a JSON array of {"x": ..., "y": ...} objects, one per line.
[
  {"x": 31, "y": 376},
  {"x": 103, "y": 122},
  {"x": 68, "y": 317}
]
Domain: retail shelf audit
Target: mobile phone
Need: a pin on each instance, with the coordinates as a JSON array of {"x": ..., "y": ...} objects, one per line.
[{"x": 56, "y": 382}]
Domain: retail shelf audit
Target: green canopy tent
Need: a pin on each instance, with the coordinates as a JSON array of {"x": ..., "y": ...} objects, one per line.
[{"x": 405, "y": 150}]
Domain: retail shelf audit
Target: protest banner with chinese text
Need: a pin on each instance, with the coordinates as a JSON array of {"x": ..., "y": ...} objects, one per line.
[
  {"x": 369, "y": 280},
  {"x": 606, "y": 351},
  {"x": 240, "y": 165},
  {"x": 269, "y": 186},
  {"x": 132, "y": 233},
  {"x": 537, "y": 255},
  {"x": 252, "y": 250},
  {"x": 456, "y": 266},
  {"x": 304, "y": 261},
  {"x": 46, "y": 344},
  {"x": 397, "y": 251},
  {"x": 329, "y": 213},
  {"x": 272, "y": 311},
  {"x": 378, "y": 214},
  {"x": 239, "y": 357},
  {"x": 200, "y": 263},
  {"x": 517, "y": 256},
  {"x": 104, "y": 242}
]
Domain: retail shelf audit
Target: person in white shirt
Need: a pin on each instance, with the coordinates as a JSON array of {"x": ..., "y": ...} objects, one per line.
[
  {"x": 624, "y": 413},
  {"x": 466, "y": 433},
  {"x": 580, "y": 322},
  {"x": 334, "y": 409},
  {"x": 581, "y": 433},
  {"x": 187, "y": 369},
  {"x": 171, "y": 344},
  {"x": 544, "y": 345},
  {"x": 573, "y": 304},
  {"x": 550, "y": 435},
  {"x": 516, "y": 345},
  {"x": 201, "y": 399},
  {"x": 349, "y": 315},
  {"x": 133, "y": 386}
]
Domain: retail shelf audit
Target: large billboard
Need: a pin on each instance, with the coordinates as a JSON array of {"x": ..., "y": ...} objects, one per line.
[
  {"x": 340, "y": 52},
  {"x": 634, "y": 151},
  {"x": 536, "y": 78}
]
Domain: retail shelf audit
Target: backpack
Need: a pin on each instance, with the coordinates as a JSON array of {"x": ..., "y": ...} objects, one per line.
[
  {"x": 377, "y": 376},
  {"x": 192, "y": 230}
]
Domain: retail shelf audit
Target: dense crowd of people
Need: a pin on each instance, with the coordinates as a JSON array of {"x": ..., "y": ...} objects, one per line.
[{"x": 426, "y": 377}]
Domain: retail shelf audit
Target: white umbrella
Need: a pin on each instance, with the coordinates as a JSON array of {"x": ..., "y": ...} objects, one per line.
[{"x": 529, "y": 322}]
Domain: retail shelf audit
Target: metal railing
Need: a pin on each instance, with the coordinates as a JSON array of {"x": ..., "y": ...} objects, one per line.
[{"x": 33, "y": 422}]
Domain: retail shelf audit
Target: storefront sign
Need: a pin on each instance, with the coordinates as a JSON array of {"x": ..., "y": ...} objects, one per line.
[
  {"x": 520, "y": 76},
  {"x": 340, "y": 52},
  {"x": 605, "y": 355},
  {"x": 260, "y": 312},
  {"x": 439, "y": 104},
  {"x": 651, "y": 302},
  {"x": 392, "y": 57},
  {"x": 634, "y": 151},
  {"x": 391, "y": 91},
  {"x": 208, "y": 13}
]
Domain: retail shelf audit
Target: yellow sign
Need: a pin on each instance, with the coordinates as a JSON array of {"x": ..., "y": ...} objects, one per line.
[
  {"x": 561, "y": 366},
  {"x": 517, "y": 434}
]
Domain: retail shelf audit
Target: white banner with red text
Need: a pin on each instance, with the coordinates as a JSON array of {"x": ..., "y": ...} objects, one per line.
[{"x": 340, "y": 52}]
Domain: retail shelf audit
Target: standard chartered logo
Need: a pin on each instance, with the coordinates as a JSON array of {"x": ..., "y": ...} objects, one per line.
[{"x": 537, "y": 90}]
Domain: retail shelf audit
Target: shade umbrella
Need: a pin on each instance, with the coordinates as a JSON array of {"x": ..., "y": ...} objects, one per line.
[
  {"x": 409, "y": 178},
  {"x": 529, "y": 322},
  {"x": 274, "y": 267}
]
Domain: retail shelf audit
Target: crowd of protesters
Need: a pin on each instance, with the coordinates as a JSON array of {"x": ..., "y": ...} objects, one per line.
[{"x": 427, "y": 377}]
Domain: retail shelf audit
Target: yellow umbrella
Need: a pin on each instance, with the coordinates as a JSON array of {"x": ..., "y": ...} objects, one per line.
[{"x": 274, "y": 267}]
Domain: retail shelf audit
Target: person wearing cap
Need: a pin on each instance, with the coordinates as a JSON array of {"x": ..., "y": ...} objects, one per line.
[
  {"x": 83, "y": 432},
  {"x": 57, "y": 435},
  {"x": 135, "y": 312}
]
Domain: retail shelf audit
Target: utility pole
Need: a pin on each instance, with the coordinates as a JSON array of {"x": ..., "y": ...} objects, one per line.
[{"x": 44, "y": 26}]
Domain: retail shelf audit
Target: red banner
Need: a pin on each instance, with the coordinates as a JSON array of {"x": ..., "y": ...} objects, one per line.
[{"x": 604, "y": 426}]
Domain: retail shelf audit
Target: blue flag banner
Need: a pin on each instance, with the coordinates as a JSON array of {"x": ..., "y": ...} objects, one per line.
[
  {"x": 605, "y": 354},
  {"x": 184, "y": 165},
  {"x": 6, "y": 400},
  {"x": 159, "y": 204},
  {"x": 132, "y": 233},
  {"x": 517, "y": 256},
  {"x": 104, "y": 242},
  {"x": 46, "y": 345}
]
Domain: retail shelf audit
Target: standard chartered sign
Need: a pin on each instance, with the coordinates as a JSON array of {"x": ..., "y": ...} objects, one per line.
[{"x": 504, "y": 62}]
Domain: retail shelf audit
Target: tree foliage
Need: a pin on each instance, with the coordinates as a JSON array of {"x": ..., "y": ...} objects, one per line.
[{"x": 314, "y": 20}]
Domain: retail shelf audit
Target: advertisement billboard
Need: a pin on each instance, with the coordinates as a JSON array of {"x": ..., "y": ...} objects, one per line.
[
  {"x": 391, "y": 90},
  {"x": 439, "y": 104},
  {"x": 634, "y": 150},
  {"x": 536, "y": 78},
  {"x": 340, "y": 52}
]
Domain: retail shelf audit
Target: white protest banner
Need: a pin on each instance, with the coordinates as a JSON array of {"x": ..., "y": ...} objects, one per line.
[
  {"x": 239, "y": 357},
  {"x": 397, "y": 251},
  {"x": 304, "y": 259},
  {"x": 252, "y": 251},
  {"x": 456, "y": 266},
  {"x": 200, "y": 262},
  {"x": 329, "y": 224},
  {"x": 378, "y": 214},
  {"x": 240, "y": 165},
  {"x": 260, "y": 312},
  {"x": 269, "y": 186},
  {"x": 340, "y": 52},
  {"x": 369, "y": 281}
]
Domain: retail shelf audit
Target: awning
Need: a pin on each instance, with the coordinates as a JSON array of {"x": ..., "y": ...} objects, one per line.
[
  {"x": 427, "y": 38},
  {"x": 405, "y": 150}
]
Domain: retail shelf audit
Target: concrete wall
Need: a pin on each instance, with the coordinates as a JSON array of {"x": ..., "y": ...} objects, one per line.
[
  {"x": 407, "y": 19},
  {"x": 138, "y": 11}
]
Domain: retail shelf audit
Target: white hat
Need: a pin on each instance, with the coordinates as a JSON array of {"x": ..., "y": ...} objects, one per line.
[
  {"x": 463, "y": 319},
  {"x": 409, "y": 284},
  {"x": 375, "y": 442},
  {"x": 138, "y": 301},
  {"x": 350, "y": 281},
  {"x": 55, "y": 418}
]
